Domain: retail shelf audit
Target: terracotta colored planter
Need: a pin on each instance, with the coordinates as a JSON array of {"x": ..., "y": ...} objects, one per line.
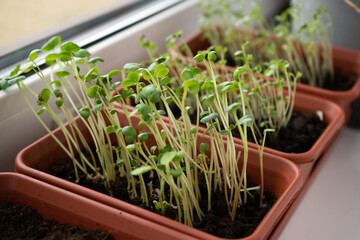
[
  {"x": 346, "y": 60},
  {"x": 66, "y": 207},
  {"x": 282, "y": 177}
]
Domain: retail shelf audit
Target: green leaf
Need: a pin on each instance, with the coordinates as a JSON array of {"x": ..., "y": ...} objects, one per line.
[
  {"x": 248, "y": 119},
  {"x": 65, "y": 57},
  {"x": 15, "y": 80},
  {"x": 80, "y": 61},
  {"x": 130, "y": 133},
  {"x": 98, "y": 108},
  {"x": 112, "y": 112},
  {"x": 233, "y": 107},
  {"x": 69, "y": 47},
  {"x": 208, "y": 100},
  {"x": 145, "y": 73},
  {"x": 95, "y": 60},
  {"x": 208, "y": 86},
  {"x": 33, "y": 55},
  {"x": 151, "y": 93},
  {"x": 52, "y": 57},
  {"x": 224, "y": 132},
  {"x": 169, "y": 99},
  {"x": 207, "y": 130},
  {"x": 203, "y": 147},
  {"x": 193, "y": 130},
  {"x": 92, "y": 91},
  {"x": 41, "y": 110},
  {"x": 51, "y": 44},
  {"x": 203, "y": 114},
  {"x": 115, "y": 98},
  {"x": 209, "y": 117},
  {"x": 167, "y": 157},
  {"x": 92, "y": 74},
  {"x": 195, "y": 70},
  {"x": 127, "y": 93},
  {"x": 115, "y": 85},
  {"x": 62, "y": 74},
  {"x": 199, "y": 58},
  {"x": 152, "y": 67},
  {"x": 153, "y": 149},
  {"x": 212, "y": 56},
  {"x": 144, "y": 109},
  {"x": 16, "y": 70},
  {"x": 4, "y": 84},
  {"x": 114, "y": 72},
  {"x": 110, "y": 129},
  {"x": 82, "y": 53},
  {"x": 44, "y": 95},
  {"x": 176, "y": 172},
  {"x": 179, "y": 156},
  {"x": 239, "y": 71},
  {"x": 162, "y": 112},
  {"x": 59, "y": 102},
  {"x": 28, "y": 69},
  {"x": 192, "y": 85},
  {"x": 57, "y": 83},
  {"x": 161, "y": 167},
  {"x": 57, "y": 93},
  {"x": 84, "y": 112},
  {"x": 269, "y": 130},
  {"x": 143, "y": 136},
  {"x": 130, "y": 147},
  {"x": 274, "y": 113},
  {"x": 229, "y": 88},
  {"x": 161, "y": 71},
  {"x": 141, "y": 170},
  {"x": 131, "y": 79},
  {"x": 160, "y": 59},
  {"x": 186, "y": 74},
  {"x": 131, "y": 66}
]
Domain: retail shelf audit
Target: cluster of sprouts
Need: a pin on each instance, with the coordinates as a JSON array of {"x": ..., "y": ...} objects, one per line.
[
  {"x": 170, "y": 149},
  {"x": 307, "y": 49},
  {"x": 184, "y": 118}
]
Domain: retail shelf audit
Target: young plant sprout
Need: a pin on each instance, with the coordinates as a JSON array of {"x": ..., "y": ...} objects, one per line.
[
  {"x": 179, "y": 163},
  {"x": 170, "y": 152},
  {"x": 307, "y": 49},
  {"x": 92, "y": 91}
]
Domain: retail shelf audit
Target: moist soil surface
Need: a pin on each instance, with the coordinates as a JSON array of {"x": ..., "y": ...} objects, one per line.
[
  {"x": 299, "y": 136},
  {"x": 216, "y": 222},
  {"x": 18, "y": 221},
  {"x": 342, "y": 81}
]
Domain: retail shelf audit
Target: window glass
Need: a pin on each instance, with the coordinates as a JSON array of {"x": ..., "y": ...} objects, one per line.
[
  {"x": 23, "y": 19},
  {"x": 28, "y": 24}
]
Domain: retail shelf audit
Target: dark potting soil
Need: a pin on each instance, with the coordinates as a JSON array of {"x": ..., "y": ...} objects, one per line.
[
  {"x": 18, "y": 221},
  {"x": 216, "y": 222},
  {"x": 342, "y": 81},
  {"x": 299, "y": 136}
]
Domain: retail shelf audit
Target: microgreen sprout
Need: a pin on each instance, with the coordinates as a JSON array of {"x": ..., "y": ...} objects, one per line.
[
  {"x": 75, "y": 79},
  {"x": 147, "y": 146},
  {"x": 307, "y": 49}
]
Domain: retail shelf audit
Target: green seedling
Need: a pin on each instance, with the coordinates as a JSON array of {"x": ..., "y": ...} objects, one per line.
[{"x": 307, "y": 49}]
